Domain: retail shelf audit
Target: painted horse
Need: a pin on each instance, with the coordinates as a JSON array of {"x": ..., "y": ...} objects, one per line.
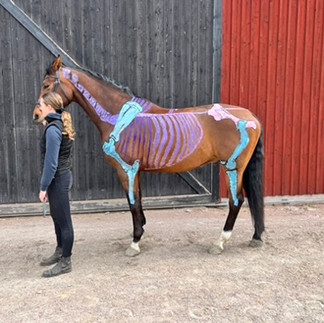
[{"x": 137, "y": 135}]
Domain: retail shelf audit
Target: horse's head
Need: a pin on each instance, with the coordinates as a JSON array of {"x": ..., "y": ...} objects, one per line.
[{"x": 54, "y": 82}]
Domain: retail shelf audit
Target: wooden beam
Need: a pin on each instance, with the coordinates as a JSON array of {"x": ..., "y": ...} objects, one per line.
[
  {"x": 113, "y": 205},
  {"x": 194, "y": 183}
]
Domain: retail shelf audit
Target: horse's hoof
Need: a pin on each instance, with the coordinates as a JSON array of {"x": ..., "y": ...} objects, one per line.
[
  {"x": 131, "y": 252},
  {"x": 256, "y": 243},
  {"x": 215, "y": 250}
]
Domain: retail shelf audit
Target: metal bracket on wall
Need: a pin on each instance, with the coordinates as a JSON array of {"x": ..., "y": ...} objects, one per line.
[{"x": 39, "y": 34}]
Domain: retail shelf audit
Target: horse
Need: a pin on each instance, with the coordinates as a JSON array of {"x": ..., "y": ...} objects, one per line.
[{"x": 138, "y": 135}]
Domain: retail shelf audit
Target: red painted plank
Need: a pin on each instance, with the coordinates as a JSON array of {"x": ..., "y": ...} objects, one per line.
[
  {"x": 298, "y": 85},
  {"x": 288, "y": 85},
  {"x": 245, "y": 27},
  {"x": 235, "y": 52},
  {"x": 254, "y": 58},
  {"x": 320, "y": 125},
  {"x": 320, "y": 136},
  {"x": 226, "y": 49},
  {"x": 306, "y": 108},
  {"x": 317, "y": 60},
  {"x": 262, "y": 90},
  {"x": 273, "y": 115}
]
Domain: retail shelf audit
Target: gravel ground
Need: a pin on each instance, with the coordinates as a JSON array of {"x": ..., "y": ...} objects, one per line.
[{"x": 174, "y": 279}]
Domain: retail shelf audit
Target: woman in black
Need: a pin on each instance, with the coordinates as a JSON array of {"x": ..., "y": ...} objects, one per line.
[{"x": 56, "y": 180}]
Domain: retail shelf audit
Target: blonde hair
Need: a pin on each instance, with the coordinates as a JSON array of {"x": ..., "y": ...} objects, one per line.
[{"x": 55, "y": 101}]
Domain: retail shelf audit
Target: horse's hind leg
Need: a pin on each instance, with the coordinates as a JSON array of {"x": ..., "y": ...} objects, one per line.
[{"x": 235, "y": 202}]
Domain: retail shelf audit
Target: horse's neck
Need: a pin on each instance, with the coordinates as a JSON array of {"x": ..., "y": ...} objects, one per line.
[
  {"x": 103, "y": 102},
  {"x": 107, "y": 96},
  {"x": 96, "y": 98}
]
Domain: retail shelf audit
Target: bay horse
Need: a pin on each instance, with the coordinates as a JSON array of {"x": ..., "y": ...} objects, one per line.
[{"x": 137, "y": 135}]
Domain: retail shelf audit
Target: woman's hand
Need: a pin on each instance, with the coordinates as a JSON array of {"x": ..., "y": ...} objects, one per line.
[{"x": 42, "y": 196}]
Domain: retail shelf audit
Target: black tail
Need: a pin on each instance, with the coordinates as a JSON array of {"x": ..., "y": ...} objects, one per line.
[{"x": 253, "y": 183}]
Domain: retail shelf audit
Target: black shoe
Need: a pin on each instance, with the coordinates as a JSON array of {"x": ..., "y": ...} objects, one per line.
[
  {"x": 53, "y": 259},
  {"x": 64, "y": 266}
]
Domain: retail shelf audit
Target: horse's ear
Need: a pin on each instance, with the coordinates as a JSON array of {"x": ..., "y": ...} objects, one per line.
[{"x": 57, "y": 64}]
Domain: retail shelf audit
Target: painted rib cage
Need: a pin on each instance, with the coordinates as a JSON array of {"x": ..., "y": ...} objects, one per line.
[{"x": 160, "y": 140}]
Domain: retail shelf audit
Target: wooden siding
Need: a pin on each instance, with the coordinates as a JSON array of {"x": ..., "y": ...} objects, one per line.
[
  {"x": 273, "y": 64},
  {"x": 162, "y": 50}
]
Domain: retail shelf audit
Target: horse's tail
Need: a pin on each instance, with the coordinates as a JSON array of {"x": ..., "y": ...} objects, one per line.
[{"x": 253, "y": 183}]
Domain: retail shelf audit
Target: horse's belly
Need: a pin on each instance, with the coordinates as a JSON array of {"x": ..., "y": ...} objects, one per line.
[{"x": 160, "y": 141}]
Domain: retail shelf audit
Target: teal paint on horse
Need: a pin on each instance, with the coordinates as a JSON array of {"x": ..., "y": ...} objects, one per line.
[
  {"x": 231, "y": 163},
  {"x": 127, "y": 114},
  {"x": 232, "y": 176}
]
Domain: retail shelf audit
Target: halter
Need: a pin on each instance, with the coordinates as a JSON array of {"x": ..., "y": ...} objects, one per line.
[{"x": 58, "y": 82}]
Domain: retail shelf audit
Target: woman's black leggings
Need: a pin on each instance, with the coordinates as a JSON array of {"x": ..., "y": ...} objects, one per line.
[{"x": 58, "y": 197}]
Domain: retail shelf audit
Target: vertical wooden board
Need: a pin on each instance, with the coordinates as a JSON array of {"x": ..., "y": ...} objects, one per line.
[
  {"x": 273, "y": 139},
  {"x": 141, "y": 49},
  {"x": 226, "y": 51},
  {"x": 244, "y": 68},
  {"x": 289, "y": 9},
  {"x": 320, "y": 128},
  {"x": 317, "y": 59},
  {"x": 6, "y": 102},
  {"x": 296, "y": 137},
  {"x": 279, "y": 93},
  {"x": 320, "y": 123},
  {"x": 235, "y": 52},
  {"x": 262, "y": 90},
  {"x": 306, "y": 108},
  {"x": 254, "y": 57}
]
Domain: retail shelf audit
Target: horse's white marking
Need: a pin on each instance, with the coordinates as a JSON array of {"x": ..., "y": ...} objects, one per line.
[
  {"x": 225, "y": 236},
  {"x": 135, "y": 246}
]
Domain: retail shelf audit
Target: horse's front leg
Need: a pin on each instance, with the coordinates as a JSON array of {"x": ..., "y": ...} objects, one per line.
[
  {"x": 135, "y": 206},
  {"x": 138, "y": 224}
]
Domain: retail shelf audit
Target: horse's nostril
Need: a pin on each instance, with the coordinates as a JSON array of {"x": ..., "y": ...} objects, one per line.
[{"x": 36, "y": 117}]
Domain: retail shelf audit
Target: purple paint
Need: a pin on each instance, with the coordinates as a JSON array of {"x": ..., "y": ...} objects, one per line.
[
  {"x": 160, "y": 140},
  {"x": 103, "y": 114},
  {"x": 219, "y": 113}
]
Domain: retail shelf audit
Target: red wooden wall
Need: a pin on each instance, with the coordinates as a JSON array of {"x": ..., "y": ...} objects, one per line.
[{"x": 272, "y": 63}]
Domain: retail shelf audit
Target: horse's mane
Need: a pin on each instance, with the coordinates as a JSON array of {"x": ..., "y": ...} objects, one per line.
[{"x": 101, "y": 77}]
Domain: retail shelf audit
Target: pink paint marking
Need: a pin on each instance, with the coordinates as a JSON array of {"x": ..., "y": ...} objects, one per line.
[{"x": 219, "y": 113}]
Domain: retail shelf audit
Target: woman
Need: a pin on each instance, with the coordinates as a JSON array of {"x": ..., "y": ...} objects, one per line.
[{"x": 56, "y": 181}]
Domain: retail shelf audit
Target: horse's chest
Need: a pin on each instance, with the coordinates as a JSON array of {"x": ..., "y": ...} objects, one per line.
[{"x": 160, "y": 141}]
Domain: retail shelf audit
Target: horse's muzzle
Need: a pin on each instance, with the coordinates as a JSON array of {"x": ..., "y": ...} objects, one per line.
[{"x": 36, "y": 118}]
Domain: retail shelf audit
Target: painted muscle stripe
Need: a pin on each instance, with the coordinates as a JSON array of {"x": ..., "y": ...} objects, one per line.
[
  {"x": 162, "y": 139},
  {"x": 168, "y": 148}
]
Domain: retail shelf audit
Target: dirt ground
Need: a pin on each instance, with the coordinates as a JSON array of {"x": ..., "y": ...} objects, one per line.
[{"x": 174, "y": 279}]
